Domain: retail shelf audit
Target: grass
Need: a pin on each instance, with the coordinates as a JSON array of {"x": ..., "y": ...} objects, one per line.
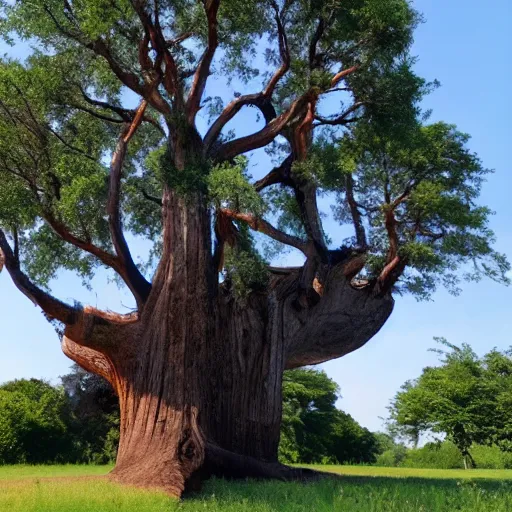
[
  {"x": 363, "y": 489},
  {"x": 450, "y": 474}
]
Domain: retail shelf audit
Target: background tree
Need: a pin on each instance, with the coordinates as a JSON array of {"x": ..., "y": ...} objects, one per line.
[
  {"x": 313, "y": 430},
  {"x": 95, "y": 420},
  {"x": 34, "y": 423},
  {"x": 198, "y": 365},
  {"x": 465, "y": 399}
]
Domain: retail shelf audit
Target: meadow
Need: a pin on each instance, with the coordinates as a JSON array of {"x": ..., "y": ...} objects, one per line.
[{"x": 361, "y": 489}]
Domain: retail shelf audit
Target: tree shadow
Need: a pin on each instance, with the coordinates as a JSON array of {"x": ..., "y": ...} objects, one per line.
[{"x": 356, "y": 493}]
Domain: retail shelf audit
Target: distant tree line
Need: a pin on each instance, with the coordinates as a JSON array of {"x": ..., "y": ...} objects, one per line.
[
  {"x": 78, "y": 421},
  {"x": 466, "y": 402}
]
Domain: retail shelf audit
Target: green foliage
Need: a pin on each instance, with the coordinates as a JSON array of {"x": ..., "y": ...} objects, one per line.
[
  {"x": 465, "y": 398},
  {"x": 57, "y": 132},
  {"x": 435, "y": 455},
  {"x": 229, "y": 187},
  {"x": 76, "y": 422},
  {"x": 34, "y": 418},
  {"x": 444, "y": 455},
  {"x": 431, "y": 181},
  {"x": 392, "y": 457},
  {"x": 313, "y": 430},
  {"x": 245, "y": 270}
]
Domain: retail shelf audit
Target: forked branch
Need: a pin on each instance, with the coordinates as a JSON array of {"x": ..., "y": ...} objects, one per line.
[{"x": 261, "y": 100}]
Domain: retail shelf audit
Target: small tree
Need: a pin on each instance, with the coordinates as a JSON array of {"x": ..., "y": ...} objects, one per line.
[
  {"x": 198, "y": 365},
  {"x": 465, "y": 399}
]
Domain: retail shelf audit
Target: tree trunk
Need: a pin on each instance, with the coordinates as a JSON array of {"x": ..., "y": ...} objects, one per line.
[{"x": 199, "y": 374}]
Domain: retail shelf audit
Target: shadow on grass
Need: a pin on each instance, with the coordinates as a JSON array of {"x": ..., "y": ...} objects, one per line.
[{"x": 358, "y": 493}]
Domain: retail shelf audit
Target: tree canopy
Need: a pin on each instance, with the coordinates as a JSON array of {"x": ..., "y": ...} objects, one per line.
[
  {"x": 467, "y": 398},
  {"x": 338, "y": 106}
]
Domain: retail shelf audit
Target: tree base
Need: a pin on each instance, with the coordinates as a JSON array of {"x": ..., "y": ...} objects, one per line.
[{"x": 218, "y": 463}]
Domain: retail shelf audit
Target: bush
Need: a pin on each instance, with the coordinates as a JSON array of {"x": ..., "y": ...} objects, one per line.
[
  {"x": 491, "y": 457},
  {"x": 435, "y": 455},
  {"x": 34, "y": 418},
  {"x": 393, "y": 457}
]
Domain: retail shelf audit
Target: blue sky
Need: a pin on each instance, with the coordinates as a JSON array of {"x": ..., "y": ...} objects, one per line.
[{"x": 464, "y": 44}]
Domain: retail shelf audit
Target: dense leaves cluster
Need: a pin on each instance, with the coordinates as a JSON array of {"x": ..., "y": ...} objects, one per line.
[
  {"x": 41, "y": 423},
  {"x": 466, "y": 398},
  {"x": 34, "y": 423}
]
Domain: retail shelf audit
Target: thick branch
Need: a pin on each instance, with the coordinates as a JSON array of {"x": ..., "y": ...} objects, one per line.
[
  {"x": 203, "y": 69},
  {"x": 53, "y": 308},
  {"x": 257, "y": 100},
  {"x": 280, "y": 174},
  {"x": 131, "y": 274},
  {"x": 264, "y": 227},
  {"x": 265, "y": 135},
  {"x": 395, "y": 264},
  {"x": 342, "y": 321},
  {"x": 343, "y": 74},
  {"x": 89, "y": 359}
]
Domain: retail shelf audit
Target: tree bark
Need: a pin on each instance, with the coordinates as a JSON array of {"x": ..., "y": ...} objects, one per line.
[{"x": 199, "y": 374}]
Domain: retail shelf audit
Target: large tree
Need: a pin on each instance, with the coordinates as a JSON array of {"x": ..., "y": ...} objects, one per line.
[{"x": 198, "y": 365}]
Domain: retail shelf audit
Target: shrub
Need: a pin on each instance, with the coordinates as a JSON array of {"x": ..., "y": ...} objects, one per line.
[
  {"x": 34, "y": 418},
  {"x": 435, "y": 455},
  {"x": 393, "y": 457},
  {"x": 491, "y": 457}
]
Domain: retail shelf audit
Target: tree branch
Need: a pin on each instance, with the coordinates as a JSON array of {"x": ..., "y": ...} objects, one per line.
[
  {"x": 265, "y": 135},
  {"x": 343, "y": 74},
  {"x": 52, "y": 307},
  {"x": 354, "y": 211},
  {"x": 395, "y": 264},
  {"x": 130, "y": 273},
  {"x": 343, "y": 319},
  {"x": 261, "y": 100},
  {"x": 266, "y": 228},
  {"x": 342, "y": 118},
  {"x": 280, "y": 174},
  {"x": 203, "y": 69}
]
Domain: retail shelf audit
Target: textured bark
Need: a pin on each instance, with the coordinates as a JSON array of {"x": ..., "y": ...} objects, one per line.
[{"x": 199, "y": 373}]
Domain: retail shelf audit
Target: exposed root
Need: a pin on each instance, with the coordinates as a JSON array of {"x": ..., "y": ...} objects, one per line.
[{"x": 225, "y": 464}]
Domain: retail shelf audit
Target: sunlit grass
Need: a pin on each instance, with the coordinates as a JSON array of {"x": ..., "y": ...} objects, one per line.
[
  {"x": 361, "y": 489},
  {"x": 451, "y": 474}
]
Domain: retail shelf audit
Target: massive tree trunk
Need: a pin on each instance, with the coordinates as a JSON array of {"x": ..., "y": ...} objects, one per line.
[{"x": 199, "y": 373}]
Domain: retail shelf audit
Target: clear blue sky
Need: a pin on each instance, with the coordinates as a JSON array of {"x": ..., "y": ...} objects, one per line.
[{"x": 464, "y": 44}]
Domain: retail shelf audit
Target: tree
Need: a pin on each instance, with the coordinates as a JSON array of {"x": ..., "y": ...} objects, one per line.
[
  {"x": 198, "y": 365},
  {"x": 95, "y": 409},
  {"x": 313, "y": 430},
  {"x": 34, "y": 419},
  {"x": 465, "y": 399}
]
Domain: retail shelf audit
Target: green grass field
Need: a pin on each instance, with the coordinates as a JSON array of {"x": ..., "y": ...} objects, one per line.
[{"x": 363, "y": 489}]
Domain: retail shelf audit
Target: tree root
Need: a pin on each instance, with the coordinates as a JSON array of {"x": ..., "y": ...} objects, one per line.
[{"x": 225, "y": 464}]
